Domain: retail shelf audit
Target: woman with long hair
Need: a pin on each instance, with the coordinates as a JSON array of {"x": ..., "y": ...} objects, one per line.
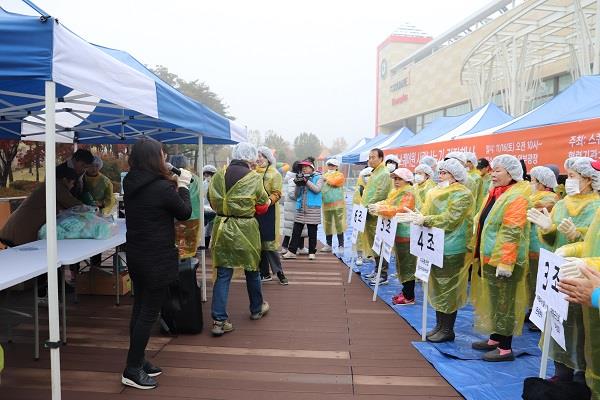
[{"x": 153, "y": 198}]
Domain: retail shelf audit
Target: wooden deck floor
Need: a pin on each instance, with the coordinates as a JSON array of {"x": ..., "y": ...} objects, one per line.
[{"x": 322, "y": 339}]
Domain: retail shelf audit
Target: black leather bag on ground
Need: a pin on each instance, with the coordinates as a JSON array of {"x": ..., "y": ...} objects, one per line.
[
  {"x": 182, "y": 310},
  {"x": 541, "y": 389}
]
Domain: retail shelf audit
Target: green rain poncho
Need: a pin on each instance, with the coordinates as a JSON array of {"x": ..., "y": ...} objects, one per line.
[
  {"x": 361, "y": 243},
  {"x": 334, "y": 203},
  {"x": 188, "y": 233},
  {"x": 377, "y": 189},
  {"x": 581, "y": 209},
  {"x": 236, "y": 239},
  {"x": 500, "y": 302},
  {"x": 397, "y": 201},
  {"x": 450, "y": 209},
  {"x": 589, "y": 250},
  {"x": 422, "y": 189},
  {"x": 272, "y": 182},
  {"x": 100, "y": 188},
  {"x": 475, "y": 185},
  {"x": 539, "y": 200}
]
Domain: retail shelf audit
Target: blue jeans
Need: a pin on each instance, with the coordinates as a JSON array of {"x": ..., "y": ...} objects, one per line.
[{"x": 221, "y": 292}]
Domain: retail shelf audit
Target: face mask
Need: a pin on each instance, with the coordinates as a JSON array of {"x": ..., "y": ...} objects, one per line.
[
  {"x": 366, "y": 179},
  {"x": 572, "y": 186},
  {"x": 419, "y": 178},
  {"x": 444, "y": 184},
  {"x": 533, "y": 187},
  {"x": 391, "y": 167}
]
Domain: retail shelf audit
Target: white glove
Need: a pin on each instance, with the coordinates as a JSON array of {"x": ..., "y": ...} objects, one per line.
[
  {"x": 569, "y": 229},
  {"x": 571, "y": 269},
  {"x": 405, "y": 218},
  {"x": 541, "y": 219},
  {"x": 373, "y": 208},
  {"x": 504, "y": 273},
  {"x": 418, "y": 218},
  {"x": 184, "y": 179}
]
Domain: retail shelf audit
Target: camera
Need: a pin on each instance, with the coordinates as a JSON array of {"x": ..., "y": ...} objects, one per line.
[{"x": 300, "y": 179}]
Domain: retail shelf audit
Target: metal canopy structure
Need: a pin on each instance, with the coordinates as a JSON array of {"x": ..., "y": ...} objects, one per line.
[{"x": 510, "y": 60}]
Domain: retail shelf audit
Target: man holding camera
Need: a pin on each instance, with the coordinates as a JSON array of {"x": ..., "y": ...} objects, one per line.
[
  {"x": 377, "y": 189},
  {"x": 308, "y": 209}
]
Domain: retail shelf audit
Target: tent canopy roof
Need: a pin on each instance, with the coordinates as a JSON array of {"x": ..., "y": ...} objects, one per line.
[{"x": 384, "y": 142}]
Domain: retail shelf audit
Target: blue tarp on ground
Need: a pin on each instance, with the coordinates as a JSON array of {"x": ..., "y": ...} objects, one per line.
[
  {"x": 580, "y": 101},
  {"x": 456, "y": 361}
]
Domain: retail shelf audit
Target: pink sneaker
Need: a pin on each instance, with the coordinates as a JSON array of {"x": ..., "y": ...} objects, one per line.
[{"x": 402, "y": 301}]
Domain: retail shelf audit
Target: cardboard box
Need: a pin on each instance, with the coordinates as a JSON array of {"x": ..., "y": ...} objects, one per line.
[{"x": 102, "y": 282}]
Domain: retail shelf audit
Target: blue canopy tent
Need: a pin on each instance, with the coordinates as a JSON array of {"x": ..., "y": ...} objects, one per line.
[
  {"x": 361, "y": 154},
  {"x": 446, "y": 128},
  {"x": 55, "y": 86},
  {"x": 397, "y": 139},
  {"x": 355, "y": 146}
]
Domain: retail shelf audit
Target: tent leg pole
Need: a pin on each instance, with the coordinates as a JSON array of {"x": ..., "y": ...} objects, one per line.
[
  {"x": 51, "y": 251},
  {"x": 202, "y": 233}
]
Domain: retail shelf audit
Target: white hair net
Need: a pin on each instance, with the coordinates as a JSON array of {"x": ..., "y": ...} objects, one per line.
[
  {"x": 428, "y": 160},
  {"x": 569, "y": 162},
  {"x": 209, "y": 168},
  {"x": 265, "y": 151},
  {"x": 457, "y": 155},
  {"x": 583, "y": 167},
  {"x": 366, "y": 171},
  {"x": 98, "y": 163},
  {"x": 545, "y": 176},
  {"x": 511, "y": 164},
  {"x": 404, "y": 174},
  {"x": 454, "y": 168},
  {"x": 471, "y": 157},
  {"x": 391, "y": 157},
  {"x": 244, "y": 151},
  {"x": 333, "y": 161},
  {"x": 425, "y": 169}
]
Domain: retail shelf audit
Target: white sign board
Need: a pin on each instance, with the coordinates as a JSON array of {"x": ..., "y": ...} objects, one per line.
[
  {"x": 359, "y": 217},
  {"x": 386, "y": 252},
  {"x": 427, "y": 243},
  {"x": 386, "y": 229},
  {"x": 558, "y": 330},
  {"x": 546, "y": 286},
  {"x": 538, "y": 313},
  {"x": 423, "y": 269},
  {"x": 377, "y": 244}
]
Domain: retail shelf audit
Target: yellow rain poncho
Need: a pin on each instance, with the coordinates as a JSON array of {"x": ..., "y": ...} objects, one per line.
[
  {"x": 475, "y": 185},
  {"x": 486, "y": 184},
  {"x": 273, "y": 184},
  {"x": 361, "y": 244},
  {"x": 500, "y": 302},
  {"x": 236, "y": 239},
  {"x": 377, "y": 189},
  {"x": 101, "y": 190},
  {"x": 188, "y": 233},
  {"x": 539, "y": 200},
  {"x": 450, "y": 209},
  {"x": 422, "y": 189},
  {"x": 397, "y": 200},
  {"x": 581, "y": 209},
  {"x": 334, "y": 203},
  {"x": 589, "y": 250}
]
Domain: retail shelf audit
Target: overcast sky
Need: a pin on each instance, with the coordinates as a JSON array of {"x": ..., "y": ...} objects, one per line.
[{"x": 282, "y": 65}]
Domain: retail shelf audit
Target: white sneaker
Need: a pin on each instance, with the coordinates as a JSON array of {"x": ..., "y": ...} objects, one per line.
[
  {"x": 312, "y": 257},
  {"x": 289, "y": 256},
  {"x": 303, "y": 251},
  {"x": 371, "y": 274},
  {"x": 283, "y": 250},
  {"x": 359, "y": 261},
  {"x": 325, "y": 249}
]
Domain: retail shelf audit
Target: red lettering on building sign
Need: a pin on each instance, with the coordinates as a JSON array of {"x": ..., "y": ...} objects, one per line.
[{"x": 399, "y": 100}]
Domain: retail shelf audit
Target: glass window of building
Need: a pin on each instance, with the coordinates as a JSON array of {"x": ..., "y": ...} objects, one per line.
[
  {"x": 429, "y": 117},
  {"x": 458, "y": 109},
  {"x": 564, "y": 81}
]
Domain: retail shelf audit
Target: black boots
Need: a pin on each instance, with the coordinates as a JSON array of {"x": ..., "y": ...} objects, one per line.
[
  {"x": 446, "y": 331},
  {"x": 438, "y": 324},
  {"x": 138, "y": 378}
]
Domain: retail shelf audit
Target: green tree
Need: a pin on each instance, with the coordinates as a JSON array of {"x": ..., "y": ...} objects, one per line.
[
  {"x": 339, "y": 145},
  {"x": 307, "y": 144},
  {"x": 280, "y": 146}
]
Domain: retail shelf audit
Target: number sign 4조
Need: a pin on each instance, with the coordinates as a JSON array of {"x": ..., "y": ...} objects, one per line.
[{"x": 427, "y": 243}]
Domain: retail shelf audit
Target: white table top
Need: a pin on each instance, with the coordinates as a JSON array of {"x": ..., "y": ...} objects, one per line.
[{"x": 27, "y": 261}]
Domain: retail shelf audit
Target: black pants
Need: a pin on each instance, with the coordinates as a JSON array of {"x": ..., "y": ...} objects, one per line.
[
  {"x": 408, "y": 289},
  {"x": 384, "y": 267},
  {"x": 146, "y": 309},
  {"x": 297, "y": 232},
  {"x": 286, "y": 242},
  {"x": 505, "y": 341},
  {"x": 340, "y": 236}
]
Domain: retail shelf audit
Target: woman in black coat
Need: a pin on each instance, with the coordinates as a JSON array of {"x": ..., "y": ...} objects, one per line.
[{"x": 153, "y": 198}]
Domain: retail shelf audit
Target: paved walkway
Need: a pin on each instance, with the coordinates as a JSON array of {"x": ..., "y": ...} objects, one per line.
[{"x": 323, "y": 339}]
